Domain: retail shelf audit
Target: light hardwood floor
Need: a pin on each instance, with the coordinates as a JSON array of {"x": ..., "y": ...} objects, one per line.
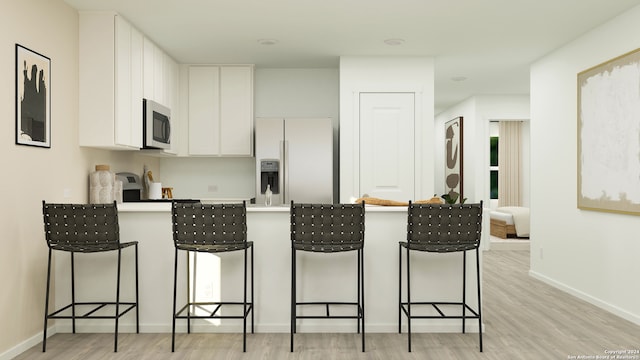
[{"x": 525, "y": 319}]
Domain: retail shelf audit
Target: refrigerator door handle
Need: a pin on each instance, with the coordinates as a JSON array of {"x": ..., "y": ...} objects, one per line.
[{"x": 285, "y": 169}]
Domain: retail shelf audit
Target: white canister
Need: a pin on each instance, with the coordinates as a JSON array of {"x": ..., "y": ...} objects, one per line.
[
  {"x": 155, "y": 190},
  {"x": 101, "y": 185}
]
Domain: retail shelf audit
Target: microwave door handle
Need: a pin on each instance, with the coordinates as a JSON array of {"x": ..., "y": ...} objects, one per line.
[{"x": 167, "y": 131}]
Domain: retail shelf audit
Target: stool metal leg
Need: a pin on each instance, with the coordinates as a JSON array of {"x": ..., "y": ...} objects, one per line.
[
  {"x": 252, "y": 307},
  {"x": 361, "y": 270},
  {"x": 464, "y": 290},
  {"x": 408, "y": 298},
  {"x": 244, "y": 305},
  {"x": 358, "y": 287},
  {"x": 189, "y": 306},
  {"x": 399, "y": 289},
  {"x": 175, "y": 292},
  {"x": 293, "y": 295},
  {"x": 115, "y": 341},
  {"x": 137, "y": 298},
  {"x": 479, "y": 299},
  {"x": 46, "y": 304},
  {"x": 73, "y": 294}
]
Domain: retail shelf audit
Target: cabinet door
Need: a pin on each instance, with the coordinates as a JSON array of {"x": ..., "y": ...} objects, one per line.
[
  {"x": 135, "y": 125},
  {"x": 204, "y": 110},
  {"x": 122, "y": 79},
  {"x": 158, "y": 76},
  {"x": 149, "y": 55},
  {"x": 387, "y": 145},
  {"x": 236, "y": 112},
  {"x": 170, "y": 81},
  {"x": 128, "y": 85}
]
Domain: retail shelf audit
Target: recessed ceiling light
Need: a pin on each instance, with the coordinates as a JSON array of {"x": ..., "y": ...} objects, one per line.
[
  {"x": 459, "y": 78},
  {"x": 267, "y": 41},
  {"x": 394, "y": 42}
]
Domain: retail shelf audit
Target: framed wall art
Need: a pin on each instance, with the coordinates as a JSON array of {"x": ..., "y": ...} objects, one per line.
[
  {"x": 33, "y": 98},
  {"x": 609, "y": 136},
  {"x": 453, "y": 160}
]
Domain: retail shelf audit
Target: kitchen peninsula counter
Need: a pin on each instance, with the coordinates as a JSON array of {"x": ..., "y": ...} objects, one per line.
[{"x": 320, "y": 276}]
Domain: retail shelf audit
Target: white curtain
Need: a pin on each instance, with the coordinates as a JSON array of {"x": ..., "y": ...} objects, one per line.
[{"x": 509, "y": 164}]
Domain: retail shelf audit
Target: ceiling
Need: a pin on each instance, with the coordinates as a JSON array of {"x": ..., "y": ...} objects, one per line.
[{"x": 479, "y": 46}]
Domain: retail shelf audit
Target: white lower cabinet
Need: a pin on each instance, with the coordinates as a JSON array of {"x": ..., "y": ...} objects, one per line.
[{"x": 221, "y": 110}]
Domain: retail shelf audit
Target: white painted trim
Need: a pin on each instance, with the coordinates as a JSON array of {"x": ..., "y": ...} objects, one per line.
[
  {"x": 355, "y": 148},
  {"x": 588, "y": 298},
  {"x": 26, "y": 345}
]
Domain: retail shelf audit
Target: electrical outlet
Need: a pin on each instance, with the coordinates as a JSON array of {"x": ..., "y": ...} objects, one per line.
[
  {"x": 66, "y": 193},
  {"x": 213, "y": 188},
  {"x": 541, "y": 254}
]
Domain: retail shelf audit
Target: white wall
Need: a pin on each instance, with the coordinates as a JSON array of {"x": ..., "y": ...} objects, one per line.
[
  {"x": 477, "y": 112},
  {"x": 277, "y": 93},
  {"x": 30, "y": 174},
  {"x": 593, "y": 255},
  {"x": 385, "y": 74}
]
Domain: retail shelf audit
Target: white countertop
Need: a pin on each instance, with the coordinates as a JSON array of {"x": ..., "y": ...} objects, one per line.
[{"x": 166, "y": 207}]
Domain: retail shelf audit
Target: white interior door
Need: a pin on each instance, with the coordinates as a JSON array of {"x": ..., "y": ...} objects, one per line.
[{"x": 387, "y": 146}]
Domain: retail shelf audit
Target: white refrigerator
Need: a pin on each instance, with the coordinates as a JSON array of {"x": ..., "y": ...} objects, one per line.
[{"x": 294, "y": 157}]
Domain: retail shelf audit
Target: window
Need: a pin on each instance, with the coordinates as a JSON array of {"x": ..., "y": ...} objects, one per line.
[{"x": 493, "y": 166}]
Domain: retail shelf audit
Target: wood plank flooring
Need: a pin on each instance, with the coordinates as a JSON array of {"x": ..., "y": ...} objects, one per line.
[{"x": 525, "y": 319}]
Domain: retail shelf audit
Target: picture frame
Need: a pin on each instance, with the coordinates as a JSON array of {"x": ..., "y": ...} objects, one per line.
[
  {"x": 33, "y": 98},
  {"x": 608, "y": 132},
  {"x": 453, "y": 161}
]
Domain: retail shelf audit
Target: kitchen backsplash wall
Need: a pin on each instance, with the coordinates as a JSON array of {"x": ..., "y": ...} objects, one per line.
[{"x": 209, "y": 178}]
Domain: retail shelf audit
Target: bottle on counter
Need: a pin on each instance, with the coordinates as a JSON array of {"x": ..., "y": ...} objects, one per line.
[
  {"x": 102, "y": 183},
  {"x": 267, "y": 195}
]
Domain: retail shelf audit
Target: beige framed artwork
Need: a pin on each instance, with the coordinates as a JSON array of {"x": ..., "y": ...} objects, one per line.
[{"x": 609, "y": 136}]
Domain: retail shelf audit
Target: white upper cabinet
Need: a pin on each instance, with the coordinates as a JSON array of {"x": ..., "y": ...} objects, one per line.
[
  {"x": 160, "y": 75},
  {"x": 119, "y": 67},
  {"x": 160, "y": 84},
  {"x": 110, "y": 82},
  {"x": 221, "y": 110}
]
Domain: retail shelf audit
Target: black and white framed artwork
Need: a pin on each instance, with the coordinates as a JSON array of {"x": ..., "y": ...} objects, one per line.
[{"x": 33, "y": 98}]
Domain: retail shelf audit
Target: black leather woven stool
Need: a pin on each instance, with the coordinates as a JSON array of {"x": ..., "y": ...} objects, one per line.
[
  {"x": 442, "y": 229},
  {"x": 328, "y": 228},
  {"x": 211, "y": 228},
  {"x": 85, "y": 228}
]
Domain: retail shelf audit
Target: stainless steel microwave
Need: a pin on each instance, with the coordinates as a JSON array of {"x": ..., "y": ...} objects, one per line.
[{"x": 156, "y": 125}]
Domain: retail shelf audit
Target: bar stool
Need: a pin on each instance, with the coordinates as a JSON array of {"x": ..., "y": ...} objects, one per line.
[
  {"x": 211, "y": 228},
  {"x": 328, "y": 228},
  {"x": 85, "y": 228},
  {"x": 440, "y": 228}
]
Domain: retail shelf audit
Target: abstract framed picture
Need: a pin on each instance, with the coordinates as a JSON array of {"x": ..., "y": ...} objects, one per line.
[
  {"x": 33, "y": 98},
  {"x": 453, "y": 160},
  {"x": 608, "y": 164}
]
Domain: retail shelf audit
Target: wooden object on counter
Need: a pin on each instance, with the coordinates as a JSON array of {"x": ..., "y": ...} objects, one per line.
[
  {"x": 385, "y": 202},
  {"x": 382, "y": 202}
]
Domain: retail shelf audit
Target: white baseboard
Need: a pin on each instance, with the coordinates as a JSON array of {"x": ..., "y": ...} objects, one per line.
[
  {"x": 26, "y": 345},
  {"x": 634, "y": 318}
]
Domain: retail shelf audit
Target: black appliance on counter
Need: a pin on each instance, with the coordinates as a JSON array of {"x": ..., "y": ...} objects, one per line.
[
  {"x": 131, "y": 186},
  {"x": 132, "y": 190}
]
